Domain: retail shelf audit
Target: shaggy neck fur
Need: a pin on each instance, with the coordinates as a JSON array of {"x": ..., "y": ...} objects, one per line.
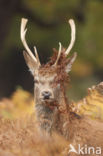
[{"x": 53, "y": 116}]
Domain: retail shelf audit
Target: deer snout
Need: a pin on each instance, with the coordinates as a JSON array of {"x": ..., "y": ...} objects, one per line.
[{"x": 46, "y": 95}]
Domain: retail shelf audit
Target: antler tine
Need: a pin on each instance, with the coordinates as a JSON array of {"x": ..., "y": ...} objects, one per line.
[
  {"x": 73, "y": 32},
  {"x": 36, "y": 54},
  {"x": 59, "y": 53},
  {"x": 23, "y": 33}
]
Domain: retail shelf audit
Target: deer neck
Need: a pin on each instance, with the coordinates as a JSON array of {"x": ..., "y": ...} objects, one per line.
[
  {"x": 53, "y": 115},
  {"x": 63, "y": 102}
]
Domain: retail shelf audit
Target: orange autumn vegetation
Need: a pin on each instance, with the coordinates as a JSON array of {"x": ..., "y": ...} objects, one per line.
[
  {"x": 21, "y": 103},
  {"x": 20, "y": 138},
  {"x": 19, "y": 135}
]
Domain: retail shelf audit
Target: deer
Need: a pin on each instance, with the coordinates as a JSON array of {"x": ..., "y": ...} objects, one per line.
[{"x": 54, "y": 111}]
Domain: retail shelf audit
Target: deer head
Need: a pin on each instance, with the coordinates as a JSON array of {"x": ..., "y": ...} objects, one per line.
[{"x": 48, "y": 78}]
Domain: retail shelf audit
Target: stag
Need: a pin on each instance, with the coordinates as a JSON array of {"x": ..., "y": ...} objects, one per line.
[
  {"x": 53, "y": 111},
  {"x": 50, "y": 82}
]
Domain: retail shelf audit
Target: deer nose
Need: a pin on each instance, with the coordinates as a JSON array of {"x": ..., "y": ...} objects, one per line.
[{"x": 46, "y": 94}]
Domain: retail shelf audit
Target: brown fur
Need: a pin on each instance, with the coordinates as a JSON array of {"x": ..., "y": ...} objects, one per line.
[
  {"x": 60, "y": 108},
  {"x": 62, "y": 77}
]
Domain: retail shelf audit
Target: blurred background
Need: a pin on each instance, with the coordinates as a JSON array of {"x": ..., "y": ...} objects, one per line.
[{"x": 48, "y": 24}]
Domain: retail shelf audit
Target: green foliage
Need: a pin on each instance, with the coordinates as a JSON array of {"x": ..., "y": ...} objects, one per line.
[{"x": 89, "y": 24}]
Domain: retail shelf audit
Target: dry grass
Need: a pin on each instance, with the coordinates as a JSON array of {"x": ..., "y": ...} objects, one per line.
[
  {"x": 21, "y": 138},
  {"x": 19, "y": 135}
]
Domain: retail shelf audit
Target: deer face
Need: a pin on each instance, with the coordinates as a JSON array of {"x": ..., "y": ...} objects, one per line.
[{"x": 47, "y": 88}]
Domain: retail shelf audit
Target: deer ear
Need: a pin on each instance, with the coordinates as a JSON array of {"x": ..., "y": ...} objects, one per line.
[
  {"x": 69, "y": 65},
  {"x": 30, "y": 62}
]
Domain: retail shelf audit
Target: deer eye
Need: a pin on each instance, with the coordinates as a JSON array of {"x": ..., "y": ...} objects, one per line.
[
  {"x": 36, "y": 81},
  {"x": 51, "y": 83}
]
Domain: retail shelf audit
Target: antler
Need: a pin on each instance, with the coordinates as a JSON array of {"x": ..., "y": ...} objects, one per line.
[
  {"x": 59, "y": 53},
  {"x": 73, "y": 31},
  {"x": 36, "y": 54},
  {"x": 36, "y": 57},
  {"x": 23, "y": 33}
]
